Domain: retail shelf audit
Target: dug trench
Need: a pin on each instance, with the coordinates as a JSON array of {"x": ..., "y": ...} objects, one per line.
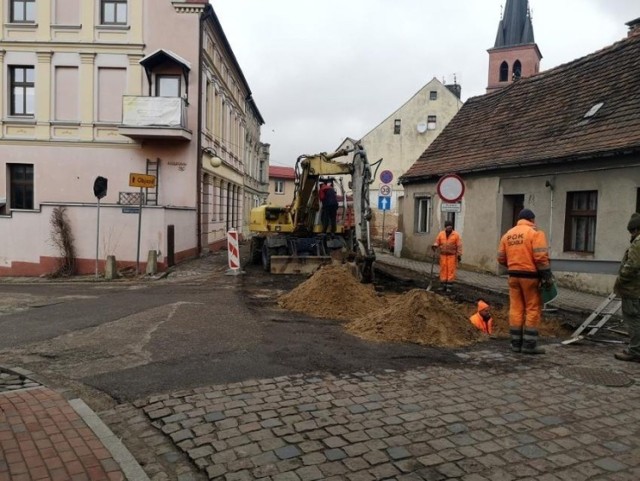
[{"x": 329, "y": 322}]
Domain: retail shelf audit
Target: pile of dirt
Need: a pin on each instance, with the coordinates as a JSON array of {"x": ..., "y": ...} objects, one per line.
[
  {"x": 419, "y": 317},
  {"x": 333, "y": 293},
  {"x": 416, "y": 316}
]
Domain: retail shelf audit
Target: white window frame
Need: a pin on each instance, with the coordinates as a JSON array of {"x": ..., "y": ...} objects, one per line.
[
  {"x": 279, "y": 187},
  {"x": 422, "y": 214}
]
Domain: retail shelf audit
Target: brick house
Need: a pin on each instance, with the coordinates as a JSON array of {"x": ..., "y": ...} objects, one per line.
[{"x": 564, "y": 143}]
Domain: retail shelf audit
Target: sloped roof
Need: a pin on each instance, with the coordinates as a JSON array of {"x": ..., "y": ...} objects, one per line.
[
  {"x": 541, "y": 119},
  {"x": 281, "y": 172}
]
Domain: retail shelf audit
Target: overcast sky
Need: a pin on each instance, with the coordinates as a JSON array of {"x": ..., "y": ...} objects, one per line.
[{"x": 323, "y": 70}]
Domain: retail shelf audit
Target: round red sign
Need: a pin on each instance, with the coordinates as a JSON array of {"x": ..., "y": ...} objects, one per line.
[{"x": 450, "y": 188}]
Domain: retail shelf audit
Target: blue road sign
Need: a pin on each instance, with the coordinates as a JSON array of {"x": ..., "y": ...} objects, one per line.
[
  {"x": 386, "y": 176},
  {"x": 384, "y": 202}
]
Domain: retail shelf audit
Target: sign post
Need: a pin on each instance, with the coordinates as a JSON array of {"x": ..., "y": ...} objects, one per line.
[
  {"x": 144, "y": 181},
  {"x": 385, "y": 191},
  {"x": 100, "y": 191}
]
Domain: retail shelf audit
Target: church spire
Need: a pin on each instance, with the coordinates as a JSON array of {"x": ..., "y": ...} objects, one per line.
[
  {"x": 515, "y": 54},
  {"x": 515, "y": 27}
]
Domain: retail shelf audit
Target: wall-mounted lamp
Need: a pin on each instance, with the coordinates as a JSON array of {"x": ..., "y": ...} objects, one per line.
[
  {"x": 214, "y": 160},
  {"x": 549, "y": 184}
]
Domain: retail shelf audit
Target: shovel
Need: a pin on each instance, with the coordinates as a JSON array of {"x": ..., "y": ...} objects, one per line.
[{"x": 433, "y": 262}]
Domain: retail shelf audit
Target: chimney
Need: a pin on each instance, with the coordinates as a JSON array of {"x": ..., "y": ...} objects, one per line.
[{"x": 634, "y": 27}]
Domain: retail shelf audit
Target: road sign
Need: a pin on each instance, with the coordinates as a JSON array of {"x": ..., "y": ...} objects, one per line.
[
  {"x": 384, "y": 202},
  {"x": 144, "y": 181},
  {"x": 450, "y": 188},
  {"x": 386, "y": 176},
  {"x": 451, "y": 207},
  {"x": 385, "y": 190}
]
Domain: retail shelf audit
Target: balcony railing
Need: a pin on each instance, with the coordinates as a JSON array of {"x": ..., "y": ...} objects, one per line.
[{"x": 154, "y": 118}]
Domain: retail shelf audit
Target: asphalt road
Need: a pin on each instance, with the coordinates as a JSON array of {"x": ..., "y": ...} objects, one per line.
[{"x": 130, "y": 340}]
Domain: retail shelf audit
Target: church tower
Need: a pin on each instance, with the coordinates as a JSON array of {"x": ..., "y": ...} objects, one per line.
[{"x": 515, "y": 54}]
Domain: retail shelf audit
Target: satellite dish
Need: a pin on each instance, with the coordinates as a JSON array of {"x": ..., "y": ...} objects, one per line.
[{"x": 422, "y": 127}]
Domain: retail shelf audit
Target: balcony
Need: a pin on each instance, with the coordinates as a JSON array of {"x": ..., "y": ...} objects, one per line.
[{"x": 154, "y": 118}]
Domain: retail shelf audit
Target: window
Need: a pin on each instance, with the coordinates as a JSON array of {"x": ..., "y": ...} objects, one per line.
[
  {"x": 580, "y": 221},
  {"x": 113, "y": 12},
  {"x": 23, "y": 11},
  {"x": 279, "y": 187},
  {"x": 22, "y": 90},
  {"x": 638, "y": 200},
  {"x": 433, "y": 95},
  {"x": 66, "y": 93},
  {"x": 111, "y": 87},
  {"x": 396, "y": 126},
  {"x": 261, "y": 171},
  {"x": 517, "y": 70},
  {"x": 423, "y": 214},
  {"x": 167, "y": 86},
  {"x": 431, "y": 122},
  {"x": 21, "y": 186},
  {"x": 67, "y": 12},
  {"x": 504, "y": 72}
]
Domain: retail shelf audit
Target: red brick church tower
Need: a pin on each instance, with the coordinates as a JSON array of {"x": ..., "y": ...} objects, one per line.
[{"x": 515, "y": 53}]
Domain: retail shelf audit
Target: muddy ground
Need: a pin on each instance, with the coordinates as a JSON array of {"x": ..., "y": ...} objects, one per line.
[{"x": 123, "y": 341}]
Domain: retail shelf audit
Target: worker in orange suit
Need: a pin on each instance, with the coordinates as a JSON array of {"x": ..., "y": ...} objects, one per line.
[
  {"x": 525, "y": 253},
  {"x": 482, "y": 318},
  {"x": 450, "y": 244}
]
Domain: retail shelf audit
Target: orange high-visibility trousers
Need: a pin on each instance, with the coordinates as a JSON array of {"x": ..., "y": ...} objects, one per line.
[
  {"x": 448, "y": 266},
  {"x": 525, "y": 303}
]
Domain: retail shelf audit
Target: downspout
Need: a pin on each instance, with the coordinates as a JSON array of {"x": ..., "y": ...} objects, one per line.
[
  {"x": 551, "y": 185},
  {"x": 199, "y": 141}
]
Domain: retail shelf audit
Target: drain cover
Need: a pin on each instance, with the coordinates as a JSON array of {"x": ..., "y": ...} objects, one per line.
[{"x": 602, "y": 377}]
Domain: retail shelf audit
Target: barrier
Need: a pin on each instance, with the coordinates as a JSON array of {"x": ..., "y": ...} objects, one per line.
[{"x": 233, "y": 252}]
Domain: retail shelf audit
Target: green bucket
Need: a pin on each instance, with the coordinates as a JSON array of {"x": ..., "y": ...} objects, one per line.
[{"x": 549, "y": 293}]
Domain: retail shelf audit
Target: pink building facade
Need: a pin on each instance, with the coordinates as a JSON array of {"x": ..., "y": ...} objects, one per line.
[{"x": 100, "y": 88}]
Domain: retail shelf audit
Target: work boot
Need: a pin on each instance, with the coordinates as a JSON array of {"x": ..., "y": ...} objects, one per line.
[
  {"x": 448, "y": 288},
  {"x": 443, "y": 287},
  {"x": 626, "y": 356},
  {"x": 516, "y": 339},
  {"x": 530, "y": 342}
]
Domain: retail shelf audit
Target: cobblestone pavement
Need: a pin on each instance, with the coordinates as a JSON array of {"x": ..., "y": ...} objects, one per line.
[{"x": 569, "y": 415}]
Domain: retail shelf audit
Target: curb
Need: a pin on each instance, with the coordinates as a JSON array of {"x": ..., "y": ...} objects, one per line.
[{"x": 130, "y": 467}]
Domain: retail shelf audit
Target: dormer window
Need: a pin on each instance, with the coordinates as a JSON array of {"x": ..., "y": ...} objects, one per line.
[{"x": 593, "y": 110}]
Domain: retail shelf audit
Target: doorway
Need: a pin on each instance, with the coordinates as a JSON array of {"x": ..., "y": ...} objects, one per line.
[{"x": 511, "y": 207}]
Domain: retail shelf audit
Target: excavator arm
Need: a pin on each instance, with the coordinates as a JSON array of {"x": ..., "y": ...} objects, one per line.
[{"x": 294, "y": 231}]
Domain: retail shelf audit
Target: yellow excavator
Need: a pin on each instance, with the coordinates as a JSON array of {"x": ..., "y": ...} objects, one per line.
[{"x": 289, "y": 240}]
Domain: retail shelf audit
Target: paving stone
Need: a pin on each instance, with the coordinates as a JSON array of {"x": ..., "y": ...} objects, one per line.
[
  {"x": 287, "y": 452},
  {"x": 397, "y": 453},
  {"x": 609, "y": 464},
  {"x": 335, "y": 454}
]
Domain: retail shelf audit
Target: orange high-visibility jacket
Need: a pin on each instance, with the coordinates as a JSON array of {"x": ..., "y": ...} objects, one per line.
[
  {"x": 449, "y": 246},
  {"x": 478, "y": 321},
  {"x": 524, "y": 250}
]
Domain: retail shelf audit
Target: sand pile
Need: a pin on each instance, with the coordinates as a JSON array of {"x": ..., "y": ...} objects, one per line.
[
  {"x": 333, "y": 293},
  {"x": 419, "y": 317}
]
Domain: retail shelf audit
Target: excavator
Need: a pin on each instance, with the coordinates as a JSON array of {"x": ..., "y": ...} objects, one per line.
[{"x": 289, "y": 240}]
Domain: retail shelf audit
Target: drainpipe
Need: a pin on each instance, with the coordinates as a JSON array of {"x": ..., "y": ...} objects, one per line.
[
  {"x": 199, "y": 141},
  {"x": 550, "y": 184}
]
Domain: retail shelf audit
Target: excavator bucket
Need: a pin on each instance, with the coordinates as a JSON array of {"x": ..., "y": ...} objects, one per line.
[{"x": 298, "y": 265}]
